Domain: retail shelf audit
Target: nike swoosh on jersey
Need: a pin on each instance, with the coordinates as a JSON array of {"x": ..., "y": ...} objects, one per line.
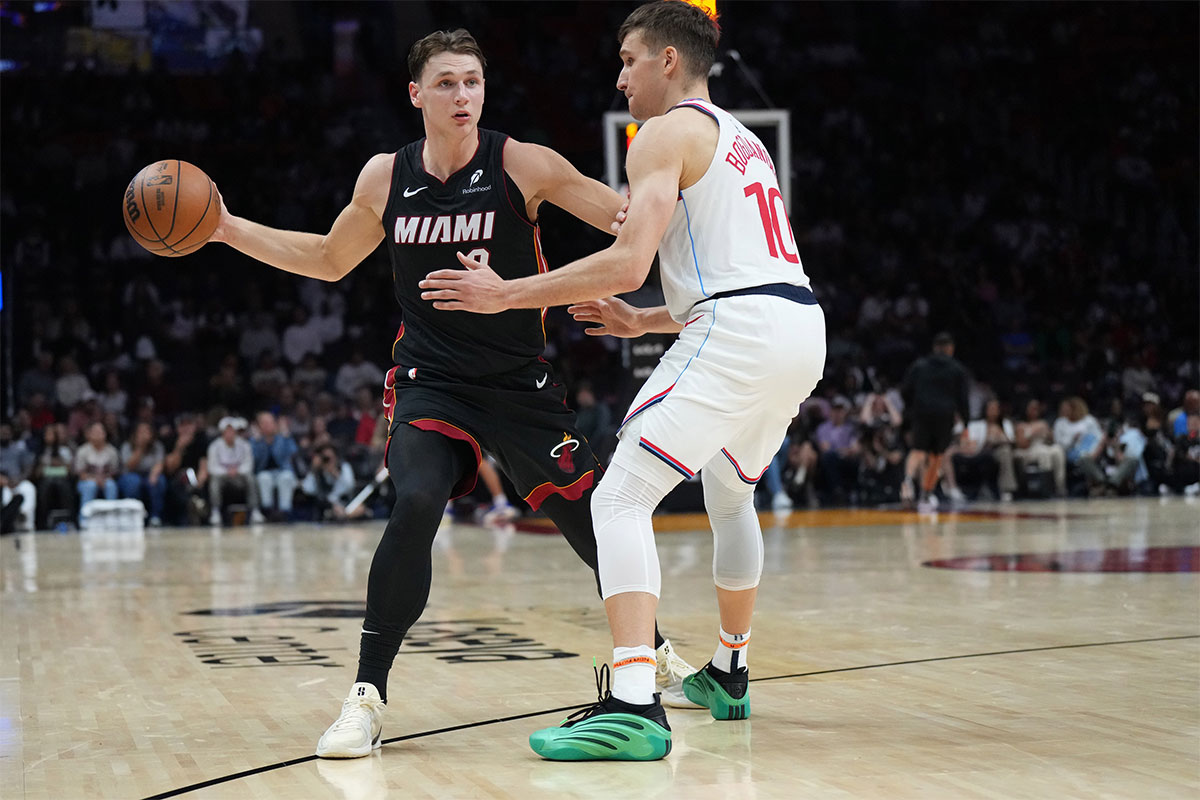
[
  {"x": 542, "y": 382},
  {"x": 407, "y": 193}
]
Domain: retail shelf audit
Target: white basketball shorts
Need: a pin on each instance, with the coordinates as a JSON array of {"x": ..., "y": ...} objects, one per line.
[{"x": 724, "y": 393}]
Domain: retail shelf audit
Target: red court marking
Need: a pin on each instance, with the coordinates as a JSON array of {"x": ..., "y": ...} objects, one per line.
[{"x": 1116, "y": 559}]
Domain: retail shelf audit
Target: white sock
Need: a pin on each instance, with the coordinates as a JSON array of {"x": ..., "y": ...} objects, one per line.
[
  {"x": 499, "y": 500},
  {"x": 633, "y": 674},
  {"x": 732, "y": 649}
]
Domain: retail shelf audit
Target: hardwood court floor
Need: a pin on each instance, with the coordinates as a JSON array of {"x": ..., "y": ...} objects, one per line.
[{"x": 204, "y": 664}]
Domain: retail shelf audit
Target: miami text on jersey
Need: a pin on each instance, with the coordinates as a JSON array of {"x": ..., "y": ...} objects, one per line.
[{"x": 444, "y": 228}]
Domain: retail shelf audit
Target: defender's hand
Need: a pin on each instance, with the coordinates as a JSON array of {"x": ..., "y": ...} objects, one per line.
[
  {"x": 621, "y": 216},
  {"x": 477, "y": 288},
  {"x": 614, "y": 316}
]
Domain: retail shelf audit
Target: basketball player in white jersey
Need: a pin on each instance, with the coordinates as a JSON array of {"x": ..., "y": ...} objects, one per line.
[{"x": 751, "y": 347}]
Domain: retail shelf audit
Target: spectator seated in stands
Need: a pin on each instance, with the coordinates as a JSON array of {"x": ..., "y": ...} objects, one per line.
[
  {"x": 800, "y": 467},
  {"x": 881, "y": 465},
  {"x": 1080, "y": 436},
  {"x": 1185, "y": 467},
  {"x": 1037, "y": 450},
  {"x": 984, "y": 458},
  {"x": 16, "y": 464},
  {"x": 142, "y": 459},
  {"x": 274, "y": 449},
  {"x": 1128, "y": 473},
  {"x": 72, "y": 386},
  {"x": 52, "y": 475},
  {"x": 96, "y": 464},
  {"x": 268, "y": 378},
  {"x": 357, "y": 373},
  {"x": 330, "y": 483},
  {"x": 186, "y": 469},
  {"x": 231, "y": 466},
  {"x": 38, "y": 379},
  {"x": 837, "y": 446},
  {"x": 1178, "y": 418}
]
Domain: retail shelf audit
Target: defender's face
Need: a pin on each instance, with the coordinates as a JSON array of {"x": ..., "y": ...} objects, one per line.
[
  {"x": 450, "y": 92},
  {"x": 641, "y": 77}
]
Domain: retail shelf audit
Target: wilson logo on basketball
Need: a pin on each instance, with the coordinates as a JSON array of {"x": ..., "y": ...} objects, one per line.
[{"x": 563, "y": 452}]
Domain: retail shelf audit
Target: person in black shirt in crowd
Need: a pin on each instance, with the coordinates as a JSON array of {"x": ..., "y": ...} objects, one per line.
[
  {"x": 462, "y": 384},
  {"x": 186, "y": 469},
  {"x": 934, "y": 391}
]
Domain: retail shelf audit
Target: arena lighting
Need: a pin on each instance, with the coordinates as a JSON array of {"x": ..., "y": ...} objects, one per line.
[{"x": 707, "y": 6}]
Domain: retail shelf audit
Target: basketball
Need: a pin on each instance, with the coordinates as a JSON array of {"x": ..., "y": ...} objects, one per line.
[{"x": 171, "y": 208}]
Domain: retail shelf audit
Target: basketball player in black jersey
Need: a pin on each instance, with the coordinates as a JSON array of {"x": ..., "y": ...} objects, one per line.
[{"x": 462, "y": 384}]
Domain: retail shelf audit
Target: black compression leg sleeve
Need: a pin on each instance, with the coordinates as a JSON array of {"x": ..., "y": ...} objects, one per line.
[{"x": 424, "y": 468}]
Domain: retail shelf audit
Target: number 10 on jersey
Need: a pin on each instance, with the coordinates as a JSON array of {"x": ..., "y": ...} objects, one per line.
[{"x": 770, "y": 208}]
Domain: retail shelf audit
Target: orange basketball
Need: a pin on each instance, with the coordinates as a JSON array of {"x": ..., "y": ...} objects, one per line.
[{"x": 171, "y": 208}]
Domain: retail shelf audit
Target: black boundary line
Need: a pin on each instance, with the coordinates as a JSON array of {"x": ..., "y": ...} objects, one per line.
[{"x": 467, "y": 725}]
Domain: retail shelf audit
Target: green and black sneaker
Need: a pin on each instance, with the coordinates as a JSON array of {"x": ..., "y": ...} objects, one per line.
[
  {"x": 609, "y": 730},
  {"x": 725, "y": 694}
]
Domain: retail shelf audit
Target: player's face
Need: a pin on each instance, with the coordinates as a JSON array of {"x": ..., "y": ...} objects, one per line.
[
  {"x": 450, "y": 93},
  {"x": 641, "y": 78}
]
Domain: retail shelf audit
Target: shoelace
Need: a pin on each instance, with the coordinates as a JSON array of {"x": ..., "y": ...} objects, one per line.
[
  {"x": 348, "y": 719},
  {"x": 675, "y": 666},
  {"x": 603, "y": 694}
]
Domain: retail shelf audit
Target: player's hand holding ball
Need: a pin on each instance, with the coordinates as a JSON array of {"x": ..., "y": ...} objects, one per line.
[{"x": 172, "y": 208}]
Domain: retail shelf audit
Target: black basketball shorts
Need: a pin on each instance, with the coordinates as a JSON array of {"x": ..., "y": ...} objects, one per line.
[
  {"x": 520, "y": 418},
  {"x": 931, "y": 432}
]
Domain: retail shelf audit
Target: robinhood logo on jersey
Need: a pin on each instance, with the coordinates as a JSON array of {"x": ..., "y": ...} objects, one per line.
[{"x": 472, "y": 188}]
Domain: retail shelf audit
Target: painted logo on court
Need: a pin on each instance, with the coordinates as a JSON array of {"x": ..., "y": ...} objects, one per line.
[{"x": 268, "y": 644}]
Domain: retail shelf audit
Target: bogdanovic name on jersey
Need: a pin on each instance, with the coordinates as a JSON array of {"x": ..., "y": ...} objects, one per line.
[
  {"x": 445, "y": 228},
  {"x": 741, "y": 151}
]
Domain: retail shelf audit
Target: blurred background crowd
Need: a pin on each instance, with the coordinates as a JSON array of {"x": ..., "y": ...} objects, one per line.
[{"x": 1022, "y": 175}]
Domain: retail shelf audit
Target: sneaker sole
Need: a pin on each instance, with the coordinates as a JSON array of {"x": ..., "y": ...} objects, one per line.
[
  {"x": 355, "y": 752},
  {"x": 673, "y": 696},
  {"x": 702, "y": 689},
  {"x": 609, "y": 737}
]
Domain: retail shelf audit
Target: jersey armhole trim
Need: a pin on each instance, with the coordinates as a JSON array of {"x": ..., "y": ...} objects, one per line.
[
  {"x": 387, "y": 206},
  {"x": 519, "y": 213}
]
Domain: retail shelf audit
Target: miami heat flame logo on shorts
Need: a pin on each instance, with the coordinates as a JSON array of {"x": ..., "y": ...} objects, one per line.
[{"x": 563, "y": 453}]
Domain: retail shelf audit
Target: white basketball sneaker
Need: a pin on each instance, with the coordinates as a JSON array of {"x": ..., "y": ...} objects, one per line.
[
  {"x": 359, "y": 729},
  {"x": 671, "y": 671}
]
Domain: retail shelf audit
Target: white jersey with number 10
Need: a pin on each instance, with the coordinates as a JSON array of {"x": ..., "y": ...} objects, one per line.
[{"x": 730, "y": 229}]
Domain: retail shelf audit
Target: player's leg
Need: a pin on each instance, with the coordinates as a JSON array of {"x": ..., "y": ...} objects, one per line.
[
  {"x": 574, "y": 520},
  {"x": 914, "y": 466},
  {"x": 629, "y": 723},
  {"x": 424, "y": 466},
  {"x": 722, "y": 685}
]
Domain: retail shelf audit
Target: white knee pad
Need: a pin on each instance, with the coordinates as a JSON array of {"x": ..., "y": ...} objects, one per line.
[
  {"x": 622, "y": 503},
  {"x": 737, "y": 536}
]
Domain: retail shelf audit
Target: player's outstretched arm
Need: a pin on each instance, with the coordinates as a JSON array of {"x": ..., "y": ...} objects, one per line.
[
  {"x": 655, "y": 164},
  {"x": 542, "y": 174},
  {"x": 356, "y": 232}
]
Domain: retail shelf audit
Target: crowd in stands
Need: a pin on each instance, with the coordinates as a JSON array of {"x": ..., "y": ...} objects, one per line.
[{"x": 1023, "y": 175}]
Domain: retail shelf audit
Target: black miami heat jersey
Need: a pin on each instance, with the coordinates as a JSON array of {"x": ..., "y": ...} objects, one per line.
[{"x": 480, "y": 212}]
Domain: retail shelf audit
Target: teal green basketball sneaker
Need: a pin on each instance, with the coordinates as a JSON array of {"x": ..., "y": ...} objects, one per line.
[
  {"x": 608, "y": 730},
  {"x": 725, "y": 694}
]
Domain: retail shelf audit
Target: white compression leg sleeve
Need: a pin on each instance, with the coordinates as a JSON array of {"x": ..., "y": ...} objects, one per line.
[
  {"x": 634, "y": 485},
  {"x": 737, "y": 537}
]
